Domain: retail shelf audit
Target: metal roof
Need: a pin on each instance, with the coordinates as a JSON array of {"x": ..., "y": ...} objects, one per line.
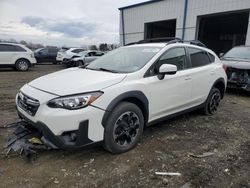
[{"x": 139, "y": 4}]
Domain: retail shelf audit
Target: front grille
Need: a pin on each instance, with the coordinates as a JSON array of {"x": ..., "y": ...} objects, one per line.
[{"x": 28, "y": 104}]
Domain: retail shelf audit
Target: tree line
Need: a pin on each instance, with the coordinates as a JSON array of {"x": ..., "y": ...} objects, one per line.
[{"x": 33, "y": 46}]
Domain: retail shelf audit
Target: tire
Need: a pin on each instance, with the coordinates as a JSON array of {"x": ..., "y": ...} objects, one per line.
[
  {"x": 22, "y": 65},
  {"x": 123, "y": 128},
  {"x": 212, "y": 102}
]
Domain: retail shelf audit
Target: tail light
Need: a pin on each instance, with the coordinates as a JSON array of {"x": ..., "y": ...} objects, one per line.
[{"x": 225, "y": 67}]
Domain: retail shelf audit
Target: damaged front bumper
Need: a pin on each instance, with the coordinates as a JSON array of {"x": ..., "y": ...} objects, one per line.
[
  {"x": 70, "y": 140},
  {"x": 238, "y": 78},
  {"x": 25, "y": 139},
  {"x": 28, "y": 137}
]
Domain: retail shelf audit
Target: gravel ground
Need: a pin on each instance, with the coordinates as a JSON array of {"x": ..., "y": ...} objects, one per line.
[{"x": 165, "y": 147}]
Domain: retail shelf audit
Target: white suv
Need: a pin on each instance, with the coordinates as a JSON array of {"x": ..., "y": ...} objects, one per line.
[
  {"x": 67, "y": 53},
  {"x": 115, "y": 97},
  {"x": 17, "y": 56}
]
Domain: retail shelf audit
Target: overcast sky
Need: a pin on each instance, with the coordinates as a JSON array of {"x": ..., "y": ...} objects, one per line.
[{"x": 61, "y": 22}]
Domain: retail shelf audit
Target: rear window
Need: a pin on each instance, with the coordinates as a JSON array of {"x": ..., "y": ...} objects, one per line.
[
  {"x": 77, "y": 50},
  {"x": 198, "y": 57},
  {"x": 63, "y": 49}
]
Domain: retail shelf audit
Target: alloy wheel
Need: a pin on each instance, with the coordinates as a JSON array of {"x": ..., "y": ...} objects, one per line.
[
  {"x": 214, "y": 103},
  {"x": 126, "y": 128},
  {"x": 23, "y": 65}
]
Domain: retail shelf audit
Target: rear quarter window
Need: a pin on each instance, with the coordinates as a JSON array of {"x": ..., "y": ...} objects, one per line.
[
  {"x": 211, "y": 57},
  {"x": 20, "y": 49},
  {"x": 198, "y": 57}
]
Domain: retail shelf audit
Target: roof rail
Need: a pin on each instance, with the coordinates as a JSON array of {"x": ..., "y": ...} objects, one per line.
[
  {"x": 164, "y": 39},
  {"x": 196, "y": 42},
  {"x": 168, "y": 40}
]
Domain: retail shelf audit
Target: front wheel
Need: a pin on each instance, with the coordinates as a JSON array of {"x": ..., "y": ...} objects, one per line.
[
  {"x": 213, "y": 102},
  {"x": 123, "y": 128},
  {"x": 22, "y": 65}
]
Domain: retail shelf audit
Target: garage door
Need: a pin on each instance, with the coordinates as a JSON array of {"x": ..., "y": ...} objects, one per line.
[
  {"x": 222, "y": 32},
  {"x": 160, "y": 29}
]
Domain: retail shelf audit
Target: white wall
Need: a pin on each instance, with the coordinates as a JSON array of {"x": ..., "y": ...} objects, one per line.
[{"x": 136, "y": 17}]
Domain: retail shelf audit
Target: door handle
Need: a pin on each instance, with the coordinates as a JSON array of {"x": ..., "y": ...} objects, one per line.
[
  {"x": 212, "y": 72},
  {"x": 188, "y": 77}
]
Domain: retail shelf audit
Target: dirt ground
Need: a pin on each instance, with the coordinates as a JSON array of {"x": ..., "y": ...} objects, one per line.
[{"x": 165, "y": 147}]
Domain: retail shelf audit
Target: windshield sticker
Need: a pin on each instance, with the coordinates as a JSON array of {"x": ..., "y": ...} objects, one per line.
[{"x": 154, "y": 50}]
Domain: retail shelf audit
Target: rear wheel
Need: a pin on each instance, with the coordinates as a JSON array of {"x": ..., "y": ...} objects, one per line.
[
  {"x": 124, "y": 128},
  {"x": 213, "y": 102},
  {"x": 22, "y": 65}
]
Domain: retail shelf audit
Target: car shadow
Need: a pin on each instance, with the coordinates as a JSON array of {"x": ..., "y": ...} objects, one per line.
[{"x": 238, "y": 92}]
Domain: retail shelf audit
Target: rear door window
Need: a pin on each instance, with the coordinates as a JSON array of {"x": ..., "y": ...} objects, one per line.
[
  {"x": 11, "y": 48},
  {"x": 44, "y": 51},
  {"x": 19, "y": 49},
  {"x": 53, "y": 50},
  {"x": 198, "y": 57}
]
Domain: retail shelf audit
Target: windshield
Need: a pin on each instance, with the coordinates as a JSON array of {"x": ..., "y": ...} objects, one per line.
[
  {"x": 39, "y": 49},
  {"x": 240, "y": 53},
  {"x": 125, "y": 59}
]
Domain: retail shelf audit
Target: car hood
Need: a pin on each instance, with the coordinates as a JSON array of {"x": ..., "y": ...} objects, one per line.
[
  {"x": 237, "y": 64},
  {"x": 76, "y": 80}
]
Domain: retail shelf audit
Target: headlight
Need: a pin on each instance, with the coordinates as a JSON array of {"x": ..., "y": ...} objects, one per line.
[{"x": 74, "y": 102}]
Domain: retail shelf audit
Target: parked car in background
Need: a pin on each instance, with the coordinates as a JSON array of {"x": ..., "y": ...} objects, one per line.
[
  {"x": 237, "y": 62},
  {"x": 16, "y": 56},
  {"x": 115, "y": 97},
  {"x": 67, "y": 53},
  {"x": 46, "y": 55},
  {"x": 83, "y": 58}
]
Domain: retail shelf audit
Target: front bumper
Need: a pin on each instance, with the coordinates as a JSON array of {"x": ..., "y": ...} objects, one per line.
[
  {"x": 66, "y": 141},
  {"x": 238, "y": 85},
  {"x": 66, "y": 129},
  {"x": 238, "y": 78}
]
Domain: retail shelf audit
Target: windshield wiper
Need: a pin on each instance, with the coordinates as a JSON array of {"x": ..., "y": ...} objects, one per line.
[
  {"x": 107, "y": 70},
  {"x": 101, "y": 69}
]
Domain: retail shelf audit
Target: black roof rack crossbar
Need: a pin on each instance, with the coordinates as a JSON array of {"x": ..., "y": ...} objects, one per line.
[
  {"x": 168, "y": 40},
  {"x": 196, "y": 42},
  {"x": 165, "y": 39}
]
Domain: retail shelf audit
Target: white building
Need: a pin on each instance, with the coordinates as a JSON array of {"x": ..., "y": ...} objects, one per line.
[{"x": 220, "y": 24}]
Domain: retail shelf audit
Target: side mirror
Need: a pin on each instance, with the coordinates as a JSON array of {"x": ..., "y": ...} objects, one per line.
[
  {"x": 221, "y": 55},
  {"x": 166, "y": 69}
]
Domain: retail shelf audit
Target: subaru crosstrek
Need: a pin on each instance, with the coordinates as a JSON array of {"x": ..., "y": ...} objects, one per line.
[{"x": 114, "y": 98}]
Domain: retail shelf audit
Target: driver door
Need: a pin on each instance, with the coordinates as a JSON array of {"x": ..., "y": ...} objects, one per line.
[{"x": 173, "y": 93}]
